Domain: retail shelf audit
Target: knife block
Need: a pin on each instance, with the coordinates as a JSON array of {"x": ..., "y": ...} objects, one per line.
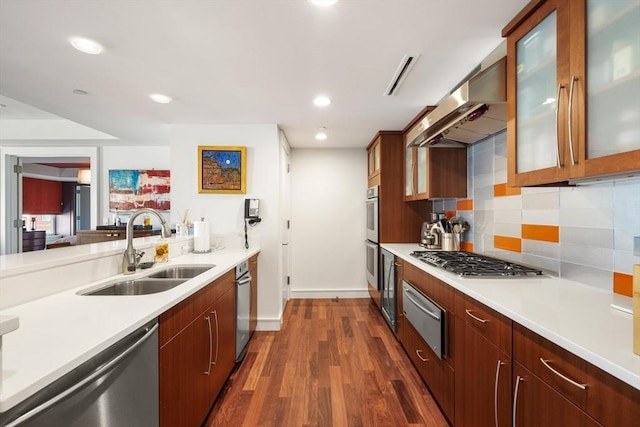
[{"x": 636, "y": 309}]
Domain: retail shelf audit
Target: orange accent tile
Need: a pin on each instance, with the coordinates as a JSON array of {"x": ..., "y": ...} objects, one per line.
[
  {"x": 466, "y": 246},
  {"x": 500, "y": 190},
  {"x": 512, "y": 244},
  {"x": 623, "y": 284},
  {"x": 546, "y": 233},
  {"x": 450, "y": 214},
  {"x": 464, "y": 205}
]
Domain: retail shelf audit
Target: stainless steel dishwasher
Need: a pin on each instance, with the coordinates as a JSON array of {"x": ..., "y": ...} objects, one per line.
[
  {"x": 118, "y": 387},
  {"x": 243, "y": 308}
]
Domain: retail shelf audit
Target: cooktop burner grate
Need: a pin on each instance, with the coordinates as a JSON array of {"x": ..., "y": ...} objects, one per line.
[{"x": 469, "y": 264}]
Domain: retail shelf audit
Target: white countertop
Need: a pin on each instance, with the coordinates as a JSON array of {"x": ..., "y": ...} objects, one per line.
[
  {"x": 8, "y": 324},
  {"x": 59, "y": 332},
  {"x": 577, "y": 317}
]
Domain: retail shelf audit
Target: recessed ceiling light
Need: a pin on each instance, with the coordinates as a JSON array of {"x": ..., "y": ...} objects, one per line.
[
  {"x": 86, "y": 45},
  {"x": 323, "y": 3},
  {"x": 321, "y": 101},
  {"x": 321, "y": 134},
  {"x": 160, "y": 98}
]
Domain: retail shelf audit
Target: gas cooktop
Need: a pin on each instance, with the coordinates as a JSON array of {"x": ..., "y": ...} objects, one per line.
[{"x": 469, "y": 264}]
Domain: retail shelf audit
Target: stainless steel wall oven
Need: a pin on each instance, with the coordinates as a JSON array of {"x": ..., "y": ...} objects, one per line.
[{"x": 372, "y": 248}]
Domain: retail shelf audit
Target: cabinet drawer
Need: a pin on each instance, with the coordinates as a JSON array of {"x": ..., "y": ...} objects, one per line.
[
  {"x": 604, "y": 397},
  {"x": 435, "y": 373},
  {"x": 181, "y": 315},
  {"x": 489, "y": 323}
]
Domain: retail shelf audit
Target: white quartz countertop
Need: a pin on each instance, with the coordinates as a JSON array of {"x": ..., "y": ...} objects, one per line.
[
  {"x": 577, "y": 317},
  {"x": 59, "y": 332}
]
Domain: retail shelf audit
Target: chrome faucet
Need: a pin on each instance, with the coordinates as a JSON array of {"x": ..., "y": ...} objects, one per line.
[{"x": 131, "y": 258}]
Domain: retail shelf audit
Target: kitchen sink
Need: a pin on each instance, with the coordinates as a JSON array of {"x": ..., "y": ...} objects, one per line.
[
  {"x": 160, "y": 281},
  {"x": 142, "y": 286},
  {"x": 184, "y": 272}
]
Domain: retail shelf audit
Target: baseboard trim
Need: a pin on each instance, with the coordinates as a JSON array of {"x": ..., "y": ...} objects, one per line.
[
  {"x": 329, "y": 294},
  {"x": 269, "y": 324}
]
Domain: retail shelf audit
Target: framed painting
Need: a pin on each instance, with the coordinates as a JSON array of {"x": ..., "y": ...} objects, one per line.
[
  {"x": 222, "y": 170},
  {"x": 134, "y": 189}
]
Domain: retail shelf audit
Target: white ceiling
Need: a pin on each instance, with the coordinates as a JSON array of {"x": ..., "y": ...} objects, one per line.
[{"x": 241, "y": 62}]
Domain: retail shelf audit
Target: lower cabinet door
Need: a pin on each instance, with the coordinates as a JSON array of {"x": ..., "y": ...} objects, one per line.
[
  {"x": 185, "y": 375},
  {"x": 487, "y": 382},
  {"x": 537, "y": 404},
  {"x": 436, "y": 374},
  {"x": 223, "y": 315}
]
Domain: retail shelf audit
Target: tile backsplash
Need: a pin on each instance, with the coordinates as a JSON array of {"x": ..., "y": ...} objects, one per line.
[{"x": 583, "y": 233}]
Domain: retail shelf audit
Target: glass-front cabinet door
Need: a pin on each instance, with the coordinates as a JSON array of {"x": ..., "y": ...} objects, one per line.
[
  {"x": 612, "y": 70},
  {"x": 574, "y": 91},
  {"x": 538, "y": 65}
]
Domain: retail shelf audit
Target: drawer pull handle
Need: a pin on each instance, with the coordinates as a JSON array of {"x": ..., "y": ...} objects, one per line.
[
  {"x": 567, "y": 379},
  {"x": 420, "y": 357},
  {"x": 570, "y": 124},
  {"x": 515, "y": 400},
  {"x": 475, "y": 317},
  {"x": 495, "y": 391},
  {"x": 208, "y": 371}
]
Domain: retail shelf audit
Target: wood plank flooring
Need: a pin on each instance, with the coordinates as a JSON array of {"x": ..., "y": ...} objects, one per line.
[{"x": 334, "y": 363}]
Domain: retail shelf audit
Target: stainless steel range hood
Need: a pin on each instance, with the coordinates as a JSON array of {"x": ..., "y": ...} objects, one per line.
[{"x": 474, "y": 110}]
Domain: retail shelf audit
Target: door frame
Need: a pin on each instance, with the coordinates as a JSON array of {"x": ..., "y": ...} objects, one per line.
[{"x": 11, "y": 190}]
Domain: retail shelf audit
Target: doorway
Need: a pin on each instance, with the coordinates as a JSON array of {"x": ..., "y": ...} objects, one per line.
[{"x": 13, "y": 163}]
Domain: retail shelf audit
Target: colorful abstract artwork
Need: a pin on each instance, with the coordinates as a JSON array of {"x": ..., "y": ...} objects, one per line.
[
  {"x": 135, "y": 189},
  {"x": 222, "y": 170}
]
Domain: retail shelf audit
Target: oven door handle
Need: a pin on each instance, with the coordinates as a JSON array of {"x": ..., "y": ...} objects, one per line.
[
  {"x": 243, "y": 281},
  {"x": 421, "y": 308}
]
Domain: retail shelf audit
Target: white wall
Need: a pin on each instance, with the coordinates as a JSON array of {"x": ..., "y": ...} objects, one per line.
[
  {"x": 328, "y": 223},
  {"x": 225, "y": 212}
]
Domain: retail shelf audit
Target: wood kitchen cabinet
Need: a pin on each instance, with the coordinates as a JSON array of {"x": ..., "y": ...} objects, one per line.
[
  {"x": 432, "y": 172},
  {"x": 399, "y": 222},
  {"x": 373, "y": 160},
  {"x": 437, "y": 374},
  {"x": 573, "y": 78},
  {"x": 551, "y": 381},
  {"x": 483, "y": 367},
  {"x": 253, "y": 307},
  {"x": 197, "y": 352}
]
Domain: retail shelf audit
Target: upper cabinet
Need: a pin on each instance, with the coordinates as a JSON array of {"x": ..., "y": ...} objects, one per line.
[
  {"x": 399, "y": 222},
  {"x": 373, "y": 154},
  {"x": 573, "y": 88},
  {"x": 433, "y": 172}
]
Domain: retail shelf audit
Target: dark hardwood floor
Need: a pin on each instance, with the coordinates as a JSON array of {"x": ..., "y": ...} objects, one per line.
[{"x": 334, "y": 363}]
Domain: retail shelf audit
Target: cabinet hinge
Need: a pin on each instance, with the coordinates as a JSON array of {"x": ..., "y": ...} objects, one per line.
[
  {"x": 288, "y": 224},
  {"x": 17, "y": 169},
  {"x": 288, "y": 280}
]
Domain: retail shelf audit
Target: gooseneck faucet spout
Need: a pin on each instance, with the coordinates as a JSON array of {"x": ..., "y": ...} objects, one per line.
[{"x": 131, "y": 258}]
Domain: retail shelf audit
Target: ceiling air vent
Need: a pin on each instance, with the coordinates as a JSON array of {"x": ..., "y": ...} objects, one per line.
[{"x": 401, "y": 72}]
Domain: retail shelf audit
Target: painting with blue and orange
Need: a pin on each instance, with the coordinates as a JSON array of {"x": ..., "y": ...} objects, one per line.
[{"x": 221, "y": 170}]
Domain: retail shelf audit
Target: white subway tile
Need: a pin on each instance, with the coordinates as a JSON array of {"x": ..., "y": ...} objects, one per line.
[
  {"x": 587, "y": 255},
  {"x": 588, "y": 237},
  {"x": 587, "y": 196},
  {"x": 507, "y": 229},
  {"x": 541, "y": 249},
  {"x": 624, "y": 262},
  {"x": 541, "y": 216},
  {"x": 507, "y": 202},
  {"x": 602, "y": 279},
  {"x": 601, "y": 218},
  {"x": 541, "y": 201}
]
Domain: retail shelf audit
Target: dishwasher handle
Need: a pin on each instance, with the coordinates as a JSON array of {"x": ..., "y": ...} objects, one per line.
[{"x": 104, "y": 369}]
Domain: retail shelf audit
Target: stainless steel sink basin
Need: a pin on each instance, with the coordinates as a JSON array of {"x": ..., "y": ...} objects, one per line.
[
  {"x": 142, "y": 286},
  {"x": 184, "y": 272}
]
